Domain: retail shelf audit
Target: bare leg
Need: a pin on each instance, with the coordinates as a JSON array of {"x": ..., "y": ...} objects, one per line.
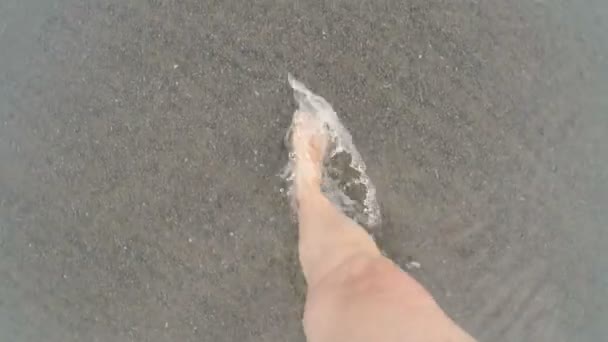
[{"x": 354, "y": 293}]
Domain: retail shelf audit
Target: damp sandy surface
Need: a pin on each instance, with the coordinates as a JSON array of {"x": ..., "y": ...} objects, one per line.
[{"x": 141, "y": 143}]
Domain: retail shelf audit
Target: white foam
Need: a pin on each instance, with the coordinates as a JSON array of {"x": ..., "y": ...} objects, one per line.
[{"x": 341, "y": 142}]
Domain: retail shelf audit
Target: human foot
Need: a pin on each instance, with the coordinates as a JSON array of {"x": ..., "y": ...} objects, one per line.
[{"x": 309, "y": 142}]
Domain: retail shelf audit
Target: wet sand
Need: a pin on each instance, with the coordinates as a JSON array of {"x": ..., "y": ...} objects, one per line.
[{"x": 141, "y": 142}]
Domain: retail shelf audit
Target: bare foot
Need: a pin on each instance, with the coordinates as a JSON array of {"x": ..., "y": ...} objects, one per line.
[{"x": 309, "y": 142}]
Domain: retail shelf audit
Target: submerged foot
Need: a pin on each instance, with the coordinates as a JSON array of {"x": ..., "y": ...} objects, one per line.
[
  {"x": 309, "y": 143},
  {"x": 324, "y": 160}
]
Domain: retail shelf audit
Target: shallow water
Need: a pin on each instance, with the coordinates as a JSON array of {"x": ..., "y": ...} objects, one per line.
[{"x": 140, "y": 142}]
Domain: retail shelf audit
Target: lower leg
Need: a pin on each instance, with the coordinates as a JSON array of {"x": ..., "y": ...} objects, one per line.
[
  {"x": 354, "y": 293},
  {"x": 327, "y": 237}
]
